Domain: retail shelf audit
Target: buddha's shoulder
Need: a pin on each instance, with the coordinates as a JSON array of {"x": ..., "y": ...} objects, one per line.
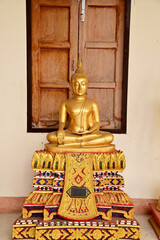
[
  {"x": 64, "y": 103},
  {"x": 67, "y": 102},
  {"x": 92, "y": 102}
]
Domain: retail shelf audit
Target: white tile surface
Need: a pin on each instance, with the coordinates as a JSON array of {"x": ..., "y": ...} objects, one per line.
[
  {"x": 7, "y": 220},
  {"x": 147, "y": 233}
]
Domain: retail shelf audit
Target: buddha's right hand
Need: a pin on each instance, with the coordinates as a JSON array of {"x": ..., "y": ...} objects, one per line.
[{"x": 60, "y": 136}]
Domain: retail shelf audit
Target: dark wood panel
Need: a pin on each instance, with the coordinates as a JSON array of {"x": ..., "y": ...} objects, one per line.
[
  {"x": 54, "y": 65},
  {"x": 101, "y": 24},
  {"x": 59, "y": 84},
  {"x": 100, "y": 65},
  {"x": 47, "y": 44},
  {"x": 105, "y": 100},
  {"x": 59, "y": 3},
  {"x": 107, "y": 3},
  {"x": 54, "y": 23},
  {"x": 50, "y": 100},
  {"x": 101, "y": 45},
  {"x": 102, "y": 85}
]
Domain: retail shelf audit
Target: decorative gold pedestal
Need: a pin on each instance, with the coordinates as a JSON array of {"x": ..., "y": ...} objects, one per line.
[{"x": 84, "y": 189}]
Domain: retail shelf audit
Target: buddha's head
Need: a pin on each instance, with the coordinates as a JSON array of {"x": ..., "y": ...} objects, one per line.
[{"x": 79, "y": 80}]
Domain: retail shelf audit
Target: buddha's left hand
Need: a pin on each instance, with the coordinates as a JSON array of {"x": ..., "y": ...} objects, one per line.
[
  {"x": 60, "y": 136},
  {"x": 94, "y": 128}
]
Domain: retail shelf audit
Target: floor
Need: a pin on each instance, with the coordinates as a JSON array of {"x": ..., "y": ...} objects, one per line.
[{"x": 7, "y": 220}]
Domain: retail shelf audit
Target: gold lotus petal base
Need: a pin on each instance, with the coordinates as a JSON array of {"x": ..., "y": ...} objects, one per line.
[
  {"x": 35, "y": 228},
  {"x": 54, "y": 148},
  {"x": 54, "y": 158}
]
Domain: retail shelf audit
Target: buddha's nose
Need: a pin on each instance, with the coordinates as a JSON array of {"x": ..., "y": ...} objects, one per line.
[{"x": 80, "y": 86}]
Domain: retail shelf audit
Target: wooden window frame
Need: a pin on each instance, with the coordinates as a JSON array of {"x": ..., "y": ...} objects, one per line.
[{"x": 123, "y": 128}]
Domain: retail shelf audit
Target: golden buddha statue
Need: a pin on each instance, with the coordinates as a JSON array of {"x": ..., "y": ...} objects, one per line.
[{"x": 83, "y": 130}]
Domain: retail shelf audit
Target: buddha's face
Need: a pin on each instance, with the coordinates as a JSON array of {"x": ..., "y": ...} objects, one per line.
[{"x": 79, "y": 86}]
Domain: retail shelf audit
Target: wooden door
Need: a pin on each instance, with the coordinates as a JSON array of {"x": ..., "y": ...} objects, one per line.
[
  {"x": 54, "y": 46},
  {"x": 101, "y": 48}
]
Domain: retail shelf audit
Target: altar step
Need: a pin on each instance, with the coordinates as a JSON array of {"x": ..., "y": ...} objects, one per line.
[
  {"x": 109, "y": 204},
  {"x": 97, "y": 229}
]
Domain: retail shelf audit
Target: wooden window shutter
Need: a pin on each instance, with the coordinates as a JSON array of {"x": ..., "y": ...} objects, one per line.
[
  {"x": 57, "y": 35},
  {"x": 101, "y": 47},
  {"x": 54, "y": 45}
]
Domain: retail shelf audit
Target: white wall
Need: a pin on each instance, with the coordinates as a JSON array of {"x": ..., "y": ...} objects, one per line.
[{"x": 140, "y": 144}]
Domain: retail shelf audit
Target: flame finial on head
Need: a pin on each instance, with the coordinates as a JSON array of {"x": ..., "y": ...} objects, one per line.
[
  {"x": 79, "y": 63},
  {"x": 79, "y": 73}
]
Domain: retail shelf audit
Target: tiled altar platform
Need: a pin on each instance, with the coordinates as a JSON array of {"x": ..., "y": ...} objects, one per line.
[
  {"x": 58, "y": 228},
  {"x": 7, "y": 220}
]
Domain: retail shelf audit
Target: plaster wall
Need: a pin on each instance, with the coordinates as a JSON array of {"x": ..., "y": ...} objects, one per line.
[{"x": 140, "y": 144}]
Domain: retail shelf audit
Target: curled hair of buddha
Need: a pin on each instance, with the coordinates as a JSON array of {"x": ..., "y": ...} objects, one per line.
[{"x": 79, "y": 73}]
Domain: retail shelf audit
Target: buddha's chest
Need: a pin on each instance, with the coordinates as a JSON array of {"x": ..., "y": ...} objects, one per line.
[{"x": 79, "y": 109}]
